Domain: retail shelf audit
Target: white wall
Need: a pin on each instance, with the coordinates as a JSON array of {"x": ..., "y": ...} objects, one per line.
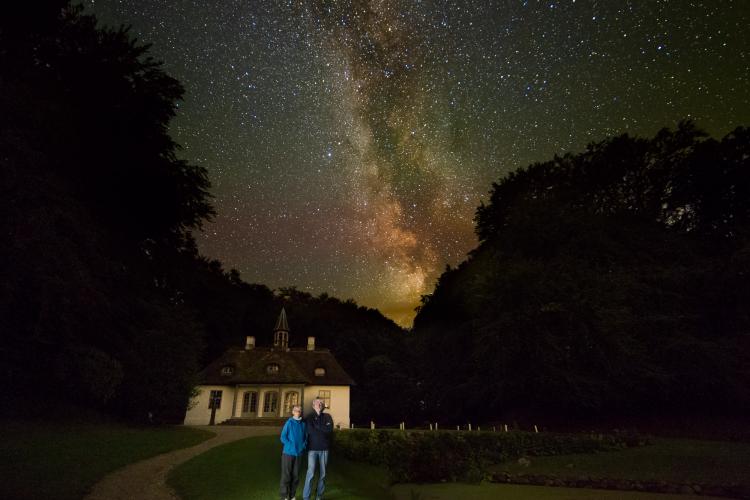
[
  {"x": 339, "y": 409},
  {"x": 199, "y": 412}
]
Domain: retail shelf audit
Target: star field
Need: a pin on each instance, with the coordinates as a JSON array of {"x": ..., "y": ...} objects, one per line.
[{"x": 350, "y": 142}]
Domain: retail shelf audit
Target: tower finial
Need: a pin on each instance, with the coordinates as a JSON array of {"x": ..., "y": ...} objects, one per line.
[{"x": 281, "y": 332}]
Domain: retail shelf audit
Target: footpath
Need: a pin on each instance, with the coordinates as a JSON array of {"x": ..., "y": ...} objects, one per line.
[{"x": 147, "y": 480}]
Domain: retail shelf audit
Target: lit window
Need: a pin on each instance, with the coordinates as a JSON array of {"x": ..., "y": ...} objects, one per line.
[
  {"x": 290, "y": 399},
  {"x": 320, "y": 372},
  {"x": 326, "y": 397},
  {"x": 214, "y": 400},
  {"x": 272, "y": 368},
  {"x": 227, "y": 370}
]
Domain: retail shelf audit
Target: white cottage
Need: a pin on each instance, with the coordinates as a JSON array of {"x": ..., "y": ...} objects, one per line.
[{"x": 258, "y": 385}]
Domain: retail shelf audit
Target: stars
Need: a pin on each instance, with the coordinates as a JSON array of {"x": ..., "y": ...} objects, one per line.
[{"x": 349, "y": 149}]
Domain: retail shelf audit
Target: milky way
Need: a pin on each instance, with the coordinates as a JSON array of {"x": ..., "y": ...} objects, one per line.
[{"x": 349, "y": 143}]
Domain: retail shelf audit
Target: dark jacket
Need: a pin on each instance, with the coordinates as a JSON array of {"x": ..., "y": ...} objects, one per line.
[{"x": 319, "y": 431}]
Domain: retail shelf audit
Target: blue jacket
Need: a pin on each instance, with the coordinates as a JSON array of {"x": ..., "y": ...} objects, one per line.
[{"x": 293, "y": 437}]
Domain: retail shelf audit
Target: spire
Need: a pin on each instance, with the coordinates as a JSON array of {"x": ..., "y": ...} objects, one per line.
[
  {"x": 281, "y": 332},
  {"x": 282, "y": 324}
]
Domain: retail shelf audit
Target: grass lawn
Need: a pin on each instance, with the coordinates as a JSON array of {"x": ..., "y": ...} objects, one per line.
[
  {"x": 678, "y": 460},
  {"x": 452, "y": 491},
  {"x": 63, "y": 461},
  {"x": 250, "y": 470}
]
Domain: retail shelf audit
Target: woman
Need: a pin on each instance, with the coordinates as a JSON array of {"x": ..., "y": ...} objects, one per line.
[{"x": 294, "y": 441}]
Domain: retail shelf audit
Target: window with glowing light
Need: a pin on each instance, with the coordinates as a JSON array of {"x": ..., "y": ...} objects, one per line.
[
  {"x": 326, "y": 397},
  {"x": 290, "y": 399}
]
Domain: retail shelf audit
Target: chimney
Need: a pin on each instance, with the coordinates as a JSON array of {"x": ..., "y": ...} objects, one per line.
[
  {"x": 310, "y": 343},
  {"x": 249, "y": 343}
]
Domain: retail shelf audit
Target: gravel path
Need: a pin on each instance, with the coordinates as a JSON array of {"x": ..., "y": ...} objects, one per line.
[{"x": 147, "y": 480}]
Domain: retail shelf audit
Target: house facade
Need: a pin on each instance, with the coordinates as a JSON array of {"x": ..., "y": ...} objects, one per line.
[{"x": 258, "y": 384}]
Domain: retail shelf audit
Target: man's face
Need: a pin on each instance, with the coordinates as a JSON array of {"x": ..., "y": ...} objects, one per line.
[{"x": 318, "y": 405}]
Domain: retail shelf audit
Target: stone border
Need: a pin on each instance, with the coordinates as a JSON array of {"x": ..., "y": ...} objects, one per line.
[{"x": 734, "y": 490}]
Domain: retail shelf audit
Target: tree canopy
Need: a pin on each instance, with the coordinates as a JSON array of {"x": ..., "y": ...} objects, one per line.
[
  {"x": 610, "y": 281},
  {"x": 100, "y": 211}
]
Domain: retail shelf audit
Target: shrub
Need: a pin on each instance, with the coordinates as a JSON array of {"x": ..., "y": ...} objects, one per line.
[{"x": 421, "y": 456}]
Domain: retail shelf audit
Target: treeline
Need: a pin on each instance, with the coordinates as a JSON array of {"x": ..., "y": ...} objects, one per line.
[
  {"x": 105, "y": 301},
  {"x": 614, "y": 281},
  {"x": 611, "y": 282},
  {"x": 370, "y": 347}
]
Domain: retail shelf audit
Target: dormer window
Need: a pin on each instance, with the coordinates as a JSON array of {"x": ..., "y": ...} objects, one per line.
[
  {"x": 272, "y": 368},
  {"x": 227, "y": 370},
  {"x": 320, "y": 372}
]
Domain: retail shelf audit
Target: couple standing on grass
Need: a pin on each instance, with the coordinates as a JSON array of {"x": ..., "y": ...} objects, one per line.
[{"x": 313, "y": 433}]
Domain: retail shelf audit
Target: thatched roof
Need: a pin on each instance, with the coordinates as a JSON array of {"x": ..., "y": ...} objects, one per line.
[{"x": 294, "y": 366}]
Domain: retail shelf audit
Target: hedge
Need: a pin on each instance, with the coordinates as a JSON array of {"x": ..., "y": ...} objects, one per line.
[{"x": 433, "y": 456}]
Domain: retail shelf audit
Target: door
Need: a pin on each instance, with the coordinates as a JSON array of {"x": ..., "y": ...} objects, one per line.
[
  {"x": 250, "y": 404},
  {"x": 271, "y": 404}
]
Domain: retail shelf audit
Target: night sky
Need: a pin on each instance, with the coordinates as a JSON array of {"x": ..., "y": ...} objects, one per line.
[{"x": 350, "y": 142}]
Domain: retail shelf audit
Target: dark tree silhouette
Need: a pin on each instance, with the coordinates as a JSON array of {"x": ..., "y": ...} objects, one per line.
[
  {"x": 611, "y": 281},
  {"x": 99, "y": 210}
]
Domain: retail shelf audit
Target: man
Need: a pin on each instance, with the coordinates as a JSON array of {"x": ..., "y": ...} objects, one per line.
[
  {"x": 319, "y": 432},
  {"x": 293, "y": 439}
]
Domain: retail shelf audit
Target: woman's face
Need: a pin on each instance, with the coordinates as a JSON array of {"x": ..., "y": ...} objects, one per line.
[{"x": 297, "y": 411}]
